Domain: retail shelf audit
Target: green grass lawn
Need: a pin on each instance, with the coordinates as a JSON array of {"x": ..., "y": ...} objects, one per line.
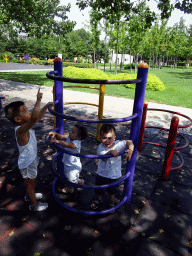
[{"x": 178, "y": 84}]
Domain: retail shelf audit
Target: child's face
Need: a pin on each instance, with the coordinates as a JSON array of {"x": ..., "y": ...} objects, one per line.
[
  {"x": 107, "y": 139},
  {"x": 24, "y": 114},
  {"x": 73, "y": 134}
]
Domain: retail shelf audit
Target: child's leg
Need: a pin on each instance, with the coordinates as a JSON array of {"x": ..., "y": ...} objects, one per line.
[
  {"x": 72, "y": 175},
  {"x": 30, "y": 190},
  {"x": 98, "y": 193},
  {"x": 112, "y": 200},
  {"x": 111, "y": 192}
]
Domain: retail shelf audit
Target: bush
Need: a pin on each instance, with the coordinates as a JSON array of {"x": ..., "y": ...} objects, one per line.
[
  {"x": 127, "y": 66},
  {"x": 50, "y": 61},
  {"x": 34, "y": 60},
  {"x": 10, "y": 55},
  {"x": 14, "y": 61},
  {"x": 73, "y": 72},
  {"x": 78, "y": 65},
  {"x": 37, "y": 61},
  {"x": 181, "y": 63},
  {"x": 153, "y": 82}
]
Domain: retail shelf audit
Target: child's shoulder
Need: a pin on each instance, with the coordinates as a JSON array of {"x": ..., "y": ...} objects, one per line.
[{"x": 17, "y": 127}]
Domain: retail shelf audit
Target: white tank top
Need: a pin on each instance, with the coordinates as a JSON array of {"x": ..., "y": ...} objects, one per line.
[{"x": 27, "y": 153}]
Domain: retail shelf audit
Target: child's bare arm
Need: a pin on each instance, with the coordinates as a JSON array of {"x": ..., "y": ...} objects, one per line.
[
  {"x": 35, "y": 114},
  {"x": 43, "y": 110},
  {"x": 57, "y": 136},
  {"x": 63, "y": 143},
  {"x": 115, "y": 153},
  {"x": 130, "y": 150}
]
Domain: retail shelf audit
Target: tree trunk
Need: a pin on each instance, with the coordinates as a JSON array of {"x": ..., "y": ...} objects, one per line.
[
  {"x": 116, "y": 59},
  {"x": 122, "y": 62},
  {"x": 149, "y": 59},
  {"x": 117, "y": 49},
  {"x": 94, "y": 58},
  {"x": 130, "y": 63},
  {"x": 111, "y": 60},
  {"x": 136, "y": 63}
]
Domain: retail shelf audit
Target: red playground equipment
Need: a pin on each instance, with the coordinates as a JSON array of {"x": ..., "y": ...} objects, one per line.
[{"x": 170, "y": 148}]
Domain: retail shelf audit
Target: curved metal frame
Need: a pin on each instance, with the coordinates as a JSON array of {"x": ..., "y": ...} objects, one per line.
[
  {"x": 51, "y": 74},
  {"x": 173, "y": 112},
  {"x": 110, "y": 120},
  {"x": 180, "y": 126},
  {"x": 159, "y": 145},
  {"x": 136, "y": 119}
]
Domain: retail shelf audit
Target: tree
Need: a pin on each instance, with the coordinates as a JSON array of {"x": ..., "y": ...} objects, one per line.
[
  {"x": 78, "y": 43},
  {"x": 110, "y": 7},
  {"x": 36, "y": 17},
  {"x": 185, "y": 5},
  {"x": 94, "y": 26}
]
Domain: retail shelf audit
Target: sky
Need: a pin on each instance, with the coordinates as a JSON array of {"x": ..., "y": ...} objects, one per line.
[{"x": 82, "y": 17}]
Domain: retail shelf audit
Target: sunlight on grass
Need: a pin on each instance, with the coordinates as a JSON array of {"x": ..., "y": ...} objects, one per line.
[{"x": 178, "y": 85}]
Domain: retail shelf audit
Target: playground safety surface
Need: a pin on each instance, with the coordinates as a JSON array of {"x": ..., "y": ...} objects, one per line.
[{"x": 157, "y": 222}]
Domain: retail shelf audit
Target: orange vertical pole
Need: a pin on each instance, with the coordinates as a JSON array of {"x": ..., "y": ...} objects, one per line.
[
  {"x": 101, "y": 108},
  {"x": 142, "y": 129},
  {"x": 170, "y": 147}
]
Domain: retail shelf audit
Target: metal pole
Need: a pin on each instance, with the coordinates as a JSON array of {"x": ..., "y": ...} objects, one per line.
[
  {"x": 58, "y": 68},
  {"x": 100, "y": 109},
  {"x": 135, "y": 127},
  {"x": 142, "y": 130},
  {"x": 170, "y": 147}
]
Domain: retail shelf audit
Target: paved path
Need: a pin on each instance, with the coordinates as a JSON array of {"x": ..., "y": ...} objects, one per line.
[
  {"x": 12, "y": 67},
  {"x": 157, "y": 222}
]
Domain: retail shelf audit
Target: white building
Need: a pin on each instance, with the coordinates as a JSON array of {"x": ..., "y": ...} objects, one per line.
[{"x": 125, "y": 58}]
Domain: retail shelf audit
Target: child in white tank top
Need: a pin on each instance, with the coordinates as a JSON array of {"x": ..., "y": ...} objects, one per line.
[{"x": 19, "y": 114}]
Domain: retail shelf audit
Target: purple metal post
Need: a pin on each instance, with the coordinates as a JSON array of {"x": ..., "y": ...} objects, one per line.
[
  {"x": 135, "y": 127},
  {"x": 58, "y": 68}
]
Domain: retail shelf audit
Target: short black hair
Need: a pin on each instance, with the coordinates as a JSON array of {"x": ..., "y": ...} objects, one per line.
[
  {"x": 105, "y": 128},
  {"x": 12, "y": 110},
  {"x": 82, "y": 131}
]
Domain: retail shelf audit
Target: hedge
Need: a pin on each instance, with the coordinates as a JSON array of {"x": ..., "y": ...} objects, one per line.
[
  {"x": 78, "y": 65},
  {"x": 10, "y": 55},
  {"x": 153, "y": 82},
  {"x": 127, "y": 66},
  {"x": 90, "y": 73}
]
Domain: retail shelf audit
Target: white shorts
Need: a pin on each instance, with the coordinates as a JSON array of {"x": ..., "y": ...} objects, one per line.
[
  {"x": 31, "y": 171},
  {"x": 72, "y": 173}
]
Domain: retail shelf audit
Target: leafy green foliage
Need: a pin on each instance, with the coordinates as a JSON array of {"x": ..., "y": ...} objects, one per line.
[
  {"x": 185, "y": 5},
  {"x": 112, "y": 9},
  {"x": 10, "y": 55},
  {"x": 77, "y": 43},
  {"x": 73, "y": 72},
  {"x": 78, "y": 65},
  {"x": 153, "y": 82},
  {"x": 127, "y": 66},
  {"x": 36, "y": 17}
]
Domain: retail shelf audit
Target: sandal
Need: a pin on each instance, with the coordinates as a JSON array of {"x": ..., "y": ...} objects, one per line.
[
  {"x": 96, "y": 204},
  {"x": 67, "y": 190}
]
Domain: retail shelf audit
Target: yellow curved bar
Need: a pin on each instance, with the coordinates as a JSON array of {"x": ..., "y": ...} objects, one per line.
[
  {"x": 101, "y": 107},
  {"x": 92, "y": 134},
  {"x": 84, "y": 103},
  {"x": 78, "y": 86}
]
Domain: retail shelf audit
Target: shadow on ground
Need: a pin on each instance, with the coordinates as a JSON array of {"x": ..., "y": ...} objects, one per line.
[{"x": 157, "y": 222}]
